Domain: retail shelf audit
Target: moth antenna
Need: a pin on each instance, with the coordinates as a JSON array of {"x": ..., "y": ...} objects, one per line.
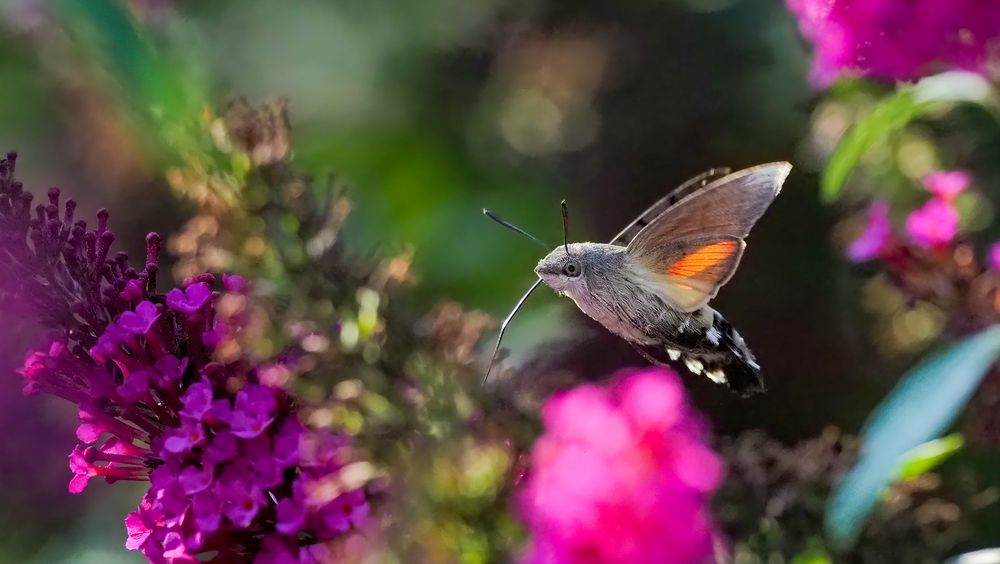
[
  {"x": 565, "y": 218},
  {"x": 503, "y": 327},
  {"x": 514, "y": 228}
]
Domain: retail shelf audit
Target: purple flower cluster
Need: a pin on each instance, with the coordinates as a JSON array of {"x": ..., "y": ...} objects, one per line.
[
  {"x": 232, "y": 471},
  {"x": 237, "y": 471},
  {"x": 898, "y": 39}
]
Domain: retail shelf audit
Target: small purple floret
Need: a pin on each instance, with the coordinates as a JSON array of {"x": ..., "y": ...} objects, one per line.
[
  {"x": 194, "y": 480},
  {"x": 190, "y": 300},
  {"x": 291, "y": 516},
  {"x": 235, "y": 283},
  {"x": 140, "y": 321},
  {"x": 197, "y": 400},
  {"x": 183, "y": 439},
  {"x": 253, "y": 412},
  {"x": 241, "y": 502}
]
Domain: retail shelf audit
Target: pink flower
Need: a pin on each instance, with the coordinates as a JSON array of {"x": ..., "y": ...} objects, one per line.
[
  {"x": 947, "y": 184},
  {"x": 874, "y": 238},
  {"x": 621, "y": 474},
  {"x": 933, "y": 225},
  {"x": 897, "y": 39}
]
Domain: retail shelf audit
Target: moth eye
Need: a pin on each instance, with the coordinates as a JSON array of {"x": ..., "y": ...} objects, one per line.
[{"x": 572, "y": 269}]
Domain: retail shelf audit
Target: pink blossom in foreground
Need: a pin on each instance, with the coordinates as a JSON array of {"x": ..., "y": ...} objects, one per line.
[
  {"x": 622, "y": 474},
  {"x": 934, "y": 224},
  {"x": 898, "y": 39},
  {"x": 872, "y": 241},
  {"x": 947, "y": 184}
]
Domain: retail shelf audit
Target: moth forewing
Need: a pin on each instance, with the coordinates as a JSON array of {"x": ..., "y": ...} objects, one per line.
[
  {"x": 689, "y": 273},
  {"x": 729, "y": 206},
  {"x": 625, "y": 236},
  {"x": 695, "y": 246}
]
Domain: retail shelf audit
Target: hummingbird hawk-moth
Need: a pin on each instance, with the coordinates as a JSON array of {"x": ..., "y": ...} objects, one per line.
[{"x": 651, "y": 284}]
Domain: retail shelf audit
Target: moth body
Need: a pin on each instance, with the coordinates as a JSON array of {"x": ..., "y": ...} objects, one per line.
[
  {"x": 596, "y": 277},
  {"x": 615, "y": 290}
]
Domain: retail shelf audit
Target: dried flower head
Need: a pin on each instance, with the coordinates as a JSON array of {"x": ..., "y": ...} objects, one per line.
[{"x": 774, "y": 497}]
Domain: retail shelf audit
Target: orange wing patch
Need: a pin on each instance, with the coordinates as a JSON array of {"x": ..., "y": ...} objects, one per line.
[
  {"x": 688, "y": 273},
  {"x": 703, "y": 259}
]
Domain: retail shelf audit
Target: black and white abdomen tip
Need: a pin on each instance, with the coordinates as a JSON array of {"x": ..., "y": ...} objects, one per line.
[
  {"x": 717, "y": 352},
  {"x": 731, "y": 362}
]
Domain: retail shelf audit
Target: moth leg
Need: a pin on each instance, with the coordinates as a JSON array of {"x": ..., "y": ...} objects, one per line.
[
  {"x": 647, "y": 352},
  {"x": 649, "y": 358}
]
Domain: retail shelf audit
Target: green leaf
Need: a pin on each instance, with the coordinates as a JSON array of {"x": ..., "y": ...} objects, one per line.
[
  {"x": 922, "y": 406},
  {"x": 814, "y": 555},
  {"x": 929, "y": 455},
  {"x": 155, "y": 80},
  {"x": 892, "y": 114}
]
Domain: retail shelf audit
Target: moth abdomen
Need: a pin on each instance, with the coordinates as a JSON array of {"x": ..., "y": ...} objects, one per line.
[
  {"x": 714, "y": 350},
  {"x": 741, "y": 375}
]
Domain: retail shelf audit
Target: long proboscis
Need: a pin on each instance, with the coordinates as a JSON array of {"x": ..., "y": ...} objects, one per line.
[
  {"x": 503, "y": 327},
  {"x": 515, "y": 228}
]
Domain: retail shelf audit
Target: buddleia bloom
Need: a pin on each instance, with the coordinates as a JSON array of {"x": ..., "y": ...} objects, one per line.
[
  {"x": 232, "y": 471},
  {"x": 621, "y": 474}
]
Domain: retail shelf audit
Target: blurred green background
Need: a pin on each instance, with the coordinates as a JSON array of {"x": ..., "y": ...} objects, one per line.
[{"x": 430, "y": 111}]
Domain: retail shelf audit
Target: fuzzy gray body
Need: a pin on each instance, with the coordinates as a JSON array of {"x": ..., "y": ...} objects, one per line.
[{"x": 619, "y": 294}]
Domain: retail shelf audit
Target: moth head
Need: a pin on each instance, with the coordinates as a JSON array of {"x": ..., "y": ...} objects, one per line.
[{"x": 565, "y": 268}]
